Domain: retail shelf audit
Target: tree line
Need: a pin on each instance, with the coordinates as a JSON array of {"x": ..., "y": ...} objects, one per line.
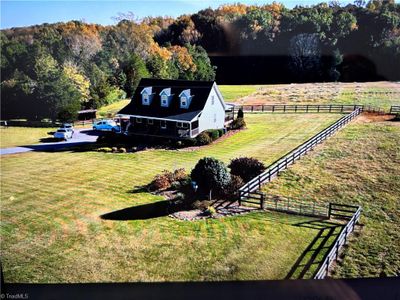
[{"x": 52, "y": 70}]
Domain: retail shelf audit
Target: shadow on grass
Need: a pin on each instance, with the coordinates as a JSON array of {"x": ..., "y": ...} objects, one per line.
[
  {"x": 313, "y": 256},
  {"x": 142, "y": 212}
]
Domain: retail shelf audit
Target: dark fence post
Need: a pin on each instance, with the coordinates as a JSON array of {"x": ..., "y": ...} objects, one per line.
[
  {"x": 329, "y": 210},
  {"x": 262, "y": 201},
  {"x": 240, "y": 197}
]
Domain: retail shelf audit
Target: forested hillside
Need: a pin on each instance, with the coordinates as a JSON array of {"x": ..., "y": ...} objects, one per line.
[{"x": 52, "y": 70}]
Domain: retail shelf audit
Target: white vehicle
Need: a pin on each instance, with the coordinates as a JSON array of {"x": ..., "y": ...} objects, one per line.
[
  {"x": 63, "y": 134},
  {"x": 106, "y": 125},
  {"x": 68, "y": 126}
]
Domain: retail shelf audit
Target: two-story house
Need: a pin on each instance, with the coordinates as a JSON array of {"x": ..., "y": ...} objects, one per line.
[{"x": 175, "y": 109}]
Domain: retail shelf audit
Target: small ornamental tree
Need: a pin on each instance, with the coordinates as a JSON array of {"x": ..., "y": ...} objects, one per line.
[
  {"x": 211, "y": 175},
  {"x": 246, "y": 167}
]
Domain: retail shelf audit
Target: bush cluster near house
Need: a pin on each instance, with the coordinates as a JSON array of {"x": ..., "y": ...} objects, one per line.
[{"x": 209, "y": 178}]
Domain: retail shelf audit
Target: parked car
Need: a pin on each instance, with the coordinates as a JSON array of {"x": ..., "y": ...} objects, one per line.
[
  {"x": 106, "y": 125},
  {"x": 63, "y": 134},
  {"x": 68, "y": 126}
]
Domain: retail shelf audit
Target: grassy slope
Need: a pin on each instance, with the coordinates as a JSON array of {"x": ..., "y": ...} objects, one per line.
[
  {"x": 112, "y": 109},
  {"x": 51, "y": 203},
  {"x": 17, "y": 136},
  {"x": 359, "y": 165},
  {"x": 234, "y": 92}
]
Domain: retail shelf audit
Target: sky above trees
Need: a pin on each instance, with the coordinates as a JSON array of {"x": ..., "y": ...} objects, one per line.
[{"x": 24, "y": 13}]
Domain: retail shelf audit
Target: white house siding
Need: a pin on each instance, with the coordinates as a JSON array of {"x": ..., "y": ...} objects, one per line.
[{"x": 206, "y": 120}]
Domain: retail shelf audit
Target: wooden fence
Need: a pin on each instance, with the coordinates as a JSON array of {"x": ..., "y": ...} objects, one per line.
[
  {"x": 395, "y": 109},
  {"x": 308, "y": 108},
  {"x": 286, "y": 205},
  {"x": 350, "y": 213},
  {"x": 283, "y": 163},
  {"x": 341, "y": 240}
]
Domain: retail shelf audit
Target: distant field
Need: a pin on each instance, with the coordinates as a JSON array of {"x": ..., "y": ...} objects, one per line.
[
  {"x": 381, "y": 94},
  {"x": 19, "y": 136},
  {"x": 358, "y": 165},
  {"x": 51, "y": 205}
]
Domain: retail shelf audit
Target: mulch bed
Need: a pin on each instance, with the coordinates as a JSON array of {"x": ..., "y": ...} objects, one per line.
[{"x": 197, "y": 214}]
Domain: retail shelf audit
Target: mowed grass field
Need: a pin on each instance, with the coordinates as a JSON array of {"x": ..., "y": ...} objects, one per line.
[
  {"x": 51, "y": 203},
  {"x": 18, "y": 136},
  {"x": 358, "y": 165}
]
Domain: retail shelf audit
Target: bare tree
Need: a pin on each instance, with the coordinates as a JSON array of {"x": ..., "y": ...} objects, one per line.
[{"x": 305, "y": 56}]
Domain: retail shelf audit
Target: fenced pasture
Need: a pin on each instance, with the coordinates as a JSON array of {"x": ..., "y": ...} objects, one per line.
[
  {"x": 283, "y": 163},
  {"x": 308, "y": 108},
  {"x": 51, "y": 203}
]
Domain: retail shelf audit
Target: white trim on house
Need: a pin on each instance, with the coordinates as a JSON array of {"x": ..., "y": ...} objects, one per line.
[{"x": 155, "y": 118}]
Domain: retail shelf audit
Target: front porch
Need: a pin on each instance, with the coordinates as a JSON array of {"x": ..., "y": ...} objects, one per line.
[{"x": 159, "y": 127}]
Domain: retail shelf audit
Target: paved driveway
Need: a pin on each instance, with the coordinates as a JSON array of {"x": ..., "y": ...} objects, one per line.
[{"x": 81, "y": 137}]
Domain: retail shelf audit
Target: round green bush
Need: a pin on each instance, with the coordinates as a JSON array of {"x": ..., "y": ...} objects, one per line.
[{"x": 203, "y": 139}]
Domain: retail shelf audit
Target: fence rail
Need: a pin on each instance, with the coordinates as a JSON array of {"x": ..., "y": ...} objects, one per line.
[
  {"x": 283, "y": 163},
  {"x": 341, "y": 240},
  {"x": 308, "y": 108},
  {"x": 395, "y": 109}
]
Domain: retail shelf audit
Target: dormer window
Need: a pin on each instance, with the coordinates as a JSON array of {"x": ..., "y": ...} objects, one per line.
[
  {"x": 183, "y": 101},
  {"x": 146, "y": 99},
  {"x": 164, "y": 100},
  {"x": 185, "y": 98},
  {"x": 165, "y": 97},
  {"x": 147, "y": 95}
]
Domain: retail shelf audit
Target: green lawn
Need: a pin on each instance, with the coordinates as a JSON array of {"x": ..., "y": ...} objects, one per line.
[
  {"x": 359, "y": 165},
  {"x": 234, "y": 92},
  {"x": 112, "y": 109},
  {"x": 51, "y": 203},
  {"x": 18, "y": 136}
]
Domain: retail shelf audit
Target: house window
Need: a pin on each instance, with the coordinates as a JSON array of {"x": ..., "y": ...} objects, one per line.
[
  {"x": 164, "y": 100},
  {"x": 215, "y": 118},
  {"x": 185, "y": 125},
  {"x": 212, "y": 100},
  {"x": 138, "y": 120},
  {"x": 145, "y": 99},
  {"x": 183, "y": 102},
  {"x": 150, "y": 121},
  {"x": 179, "y": 124},
  {"x": 163, "y": 124}
]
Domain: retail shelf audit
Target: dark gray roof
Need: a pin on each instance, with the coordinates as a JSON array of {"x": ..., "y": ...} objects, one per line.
[{"x": 198, "y": 89}]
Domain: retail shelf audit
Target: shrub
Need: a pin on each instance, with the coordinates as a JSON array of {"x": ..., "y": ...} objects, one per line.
[
  {"x": 160, "y": 182},
  {"x": 246, "y": 167},
  {"x": 189, "y": 142},
  {"x": 202, "y": 205},
  {"x": 238, "y": 123},
  {"x": 213, "y": 133},
  {"x": 211, "y": 174},
  {"x": 122, "y": 150},
  {"x": 104, "y": 149},
  {"x": 240, "y": 114},
  {"x": 203, "y": 139},
  {"x": 231, "y": 190},
  {"x": 114, "y": 149},
  {"x": 221, "y": 132},
  {"x": 210, "y": 211},
  {"x": 180, "y": 174},
  {"x": 169, "y": 175}
]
